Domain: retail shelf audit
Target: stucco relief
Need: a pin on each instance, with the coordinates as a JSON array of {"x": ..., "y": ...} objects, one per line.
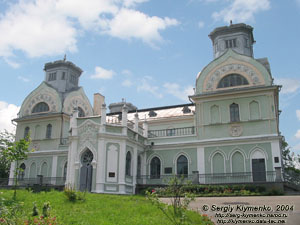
[
  {"x": 74, "y": 102},
  {"x": 235, "y": 130},
  {"x": 231, "y": 68},
  {"x": 42, "y": 97},
  {"x": 88, "y": 133}
]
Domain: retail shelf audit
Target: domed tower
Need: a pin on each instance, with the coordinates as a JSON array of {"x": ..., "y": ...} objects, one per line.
[
  {"x": 62, "y": 75},
  {"x": 238, "y": 37}
]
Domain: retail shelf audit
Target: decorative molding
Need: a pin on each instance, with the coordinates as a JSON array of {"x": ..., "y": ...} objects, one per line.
[
  {"x": 242, "y": 69},
  {"x": 235, "y": 130},
  {"x": 46, "y": 97}
]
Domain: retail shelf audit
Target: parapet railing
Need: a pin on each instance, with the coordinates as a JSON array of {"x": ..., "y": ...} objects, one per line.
[{"x": 171, "y": 132}]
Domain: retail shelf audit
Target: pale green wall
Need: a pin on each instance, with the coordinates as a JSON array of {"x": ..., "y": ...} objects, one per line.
[
  {"x": 266, "y": 124},
  {"x": 169, "y": 155},
  {"x": 229, "y": 149},
  {"x": 60, "y": 165},
  {"x": 38, "y": 162}
]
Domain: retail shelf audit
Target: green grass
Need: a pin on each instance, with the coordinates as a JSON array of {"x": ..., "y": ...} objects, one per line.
[{"x": 97, "y": 209}]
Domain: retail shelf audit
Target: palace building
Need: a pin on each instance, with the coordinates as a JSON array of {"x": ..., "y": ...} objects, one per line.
[{"x": 228, "y": 134}]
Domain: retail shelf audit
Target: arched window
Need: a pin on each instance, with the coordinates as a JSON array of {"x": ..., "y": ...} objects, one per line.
[
  {"x": 128, "y": 164},
  {"x": 26, "y": 132},
  {"x": 155, "y": 168},
  {"x": 40, "y": 107},
  {"x": 21, "y": 174},
  {"x": 81, "y": 112},
  {"x": 234, "y": 113},
  {"x": 32, "y": 170},
  {"x": 182, "y": 165},
  {"x": 49, "y": 131},
  {"x": 218, "y": 163},
  {"x": 65, "y": 170},
  {"x": 44, "y": 169},
  {"x": 232, "y": 80},
  {"x": 139, "y": 166}
]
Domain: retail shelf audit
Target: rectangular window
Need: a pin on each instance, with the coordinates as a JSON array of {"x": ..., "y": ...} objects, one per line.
[
  {"x": 276, "y": 159},
  {"x": 234, "y": 113},
  {"x": 63, "y": 76},
  {"x": 230, "y": 43},
  {"x": 52, "y": 76},
  {"x": 73, "y": 79}
]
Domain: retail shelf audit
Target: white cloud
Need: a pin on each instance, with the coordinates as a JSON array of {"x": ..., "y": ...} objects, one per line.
[
  {"x": 242, "y": 10},
  {"x": 127, "y": 83},
  {"x": 126, "y": 72},
  {"x": 298, "y": 114},
  {"x": 175, "y": 90},
  {"x": 201, "y": 24},
  {"x": 128, "y": 24},
  {"x": 144, "y": 85},
  {"x": 51, "y": 27},
  {"x": 132, "y": 3},
  {"x": 24, "y": 79},
  {"x": 101, "y": 73},
  {"x": 7, "y": 113},
  {"x": 288, "y": 85},
  {"x": 297, "y": 135},
  {"x": 37, "y": 29}
]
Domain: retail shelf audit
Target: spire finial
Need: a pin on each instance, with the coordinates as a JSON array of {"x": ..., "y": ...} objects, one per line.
[
  {"x": 65, "y": 57},
  {"x": 230, "y": 22}
]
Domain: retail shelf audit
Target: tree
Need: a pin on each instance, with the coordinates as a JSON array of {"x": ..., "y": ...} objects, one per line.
[
  {"x": 180, "y": 201},
  {"x": 6, "y": 140},
  {"x": 15, "y": 152}
]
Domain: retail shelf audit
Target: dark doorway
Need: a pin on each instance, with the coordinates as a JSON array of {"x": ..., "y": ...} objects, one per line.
[
  {"x": 86, "y": 171},
  {"x": 258, "y": 170}
]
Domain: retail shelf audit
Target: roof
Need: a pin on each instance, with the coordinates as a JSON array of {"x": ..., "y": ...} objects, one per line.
[{"x": 159, "y": 112}]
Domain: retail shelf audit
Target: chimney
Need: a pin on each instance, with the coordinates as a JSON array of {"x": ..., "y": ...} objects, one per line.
[{"x": 98, "y": 102}]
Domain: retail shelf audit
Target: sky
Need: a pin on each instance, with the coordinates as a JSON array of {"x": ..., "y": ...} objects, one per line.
[{"x": 148, "y": 52}]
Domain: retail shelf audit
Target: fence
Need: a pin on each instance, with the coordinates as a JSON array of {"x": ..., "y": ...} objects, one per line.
[
  {"x": 39, "y": 180},
  {"x": 216, "y": 178},
  {"x": 171, "y": 132}
]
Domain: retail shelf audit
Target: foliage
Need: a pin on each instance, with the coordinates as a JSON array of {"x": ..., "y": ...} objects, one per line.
[
  {"x": 73, "y": 195},
  {"x": 6, "y": 140},
  {"x": 97, "y": 209},
  {"x": 217, "y": 190},
  {"x": 11, "y": 212},
  {"x": 180, "y": 200},
  {"x": 15, "y": 152}
]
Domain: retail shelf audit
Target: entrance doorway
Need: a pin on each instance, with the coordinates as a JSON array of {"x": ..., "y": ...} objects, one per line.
[
  {"x": 258, "y": 170},
  {"x": 86, "y": 171}
]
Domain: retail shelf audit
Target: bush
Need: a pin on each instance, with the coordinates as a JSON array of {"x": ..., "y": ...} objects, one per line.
[{"x": 73, "y": 195}]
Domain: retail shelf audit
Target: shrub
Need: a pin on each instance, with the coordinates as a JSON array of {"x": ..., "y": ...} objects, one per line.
[
  {"x": 73, "y": 195},
  {"x": 70, "y": 193}
]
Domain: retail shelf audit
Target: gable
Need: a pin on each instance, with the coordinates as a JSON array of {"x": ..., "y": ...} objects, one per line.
[{"x": 232, "y": 63}]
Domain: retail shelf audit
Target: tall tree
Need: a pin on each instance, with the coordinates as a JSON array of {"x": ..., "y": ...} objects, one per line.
[
  {"x": 6, "y": 140},
  {"x": 16, "y": 152}
]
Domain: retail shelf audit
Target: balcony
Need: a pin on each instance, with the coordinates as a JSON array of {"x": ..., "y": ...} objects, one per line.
[{"x": 185, "y": 131}]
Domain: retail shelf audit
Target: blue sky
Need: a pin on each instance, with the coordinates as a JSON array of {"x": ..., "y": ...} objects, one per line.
[{"x": 146, "y": 51}]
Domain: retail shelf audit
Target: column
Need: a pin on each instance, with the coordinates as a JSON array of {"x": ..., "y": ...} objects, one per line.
[
  {"x": 201, "y": 164},
  {"x": 54, "y": 169},
  {"x": 122, "y": 163},
  {"x": 134, "y": 172},
  {"x": 100, "y": 176}
]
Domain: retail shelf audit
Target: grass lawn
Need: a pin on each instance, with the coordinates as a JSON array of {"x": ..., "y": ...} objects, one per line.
[{"x": 96, "y": 209}]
